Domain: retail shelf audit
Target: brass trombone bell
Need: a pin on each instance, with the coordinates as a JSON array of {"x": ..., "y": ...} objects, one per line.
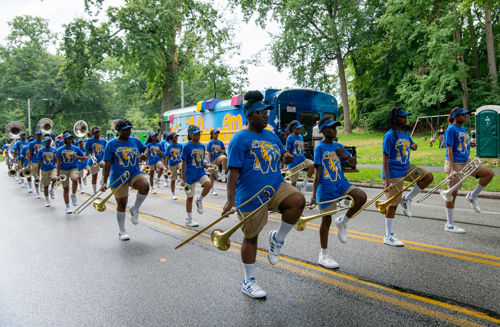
[
  {"x": 167, "y": 173},
  {"x": 80, "y": 129},
  {"x": 187, "y": 188},
  {"x": 26, "y": 172},
  {"x": 146, "y": 170},
  {"x": 62, "y": 178},
  {"x": 212, "y": 170},
  {"x": 300, "y": 225}
]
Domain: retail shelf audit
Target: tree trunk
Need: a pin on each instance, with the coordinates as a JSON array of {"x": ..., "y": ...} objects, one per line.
[
  {"x": 463, "y": 82},
  {"x": 343, "y": 88},
  {"x": 473, "y": 42},
  {"x": 490, "y": 48}
]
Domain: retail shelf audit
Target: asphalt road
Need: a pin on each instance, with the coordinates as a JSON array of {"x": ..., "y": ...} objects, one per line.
[{"x": 71, "y": 270}]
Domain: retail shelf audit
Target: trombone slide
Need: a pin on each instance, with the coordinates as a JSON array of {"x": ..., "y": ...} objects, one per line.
[
  {"x": 299, "y": 168},
  {"x": 300, "y": 225}
]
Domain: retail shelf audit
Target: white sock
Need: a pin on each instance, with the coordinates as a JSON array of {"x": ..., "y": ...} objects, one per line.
[
  {"x": 67, "y": 206},
  {"x": 29, "y": 184},
  {"x": 413, "y": 192},
  {"x": 37, "y": 191},
  {"x": 324, "y": 252},
  {"x": 474, "y": 194},
  {"x": 94, "y": 187},
  {"x": 306, "y": 179},
  {"x": 200, "y": 198},
  {"x": 190, "y": 215},
  {"x": 283, "y": 230},
  {"x": 223, "y": 173},
  {"x": 138, "y": 201},
  {"x": 249, "y": 269},
  {"x": 120, "y": 217},
  {"x": 449, "y": 216},
  {"x": 173, "y": 193},
  {"x": 344, "y": 219},
  {"x": 47, "y": 198},
  {"x": 389, "y": 226}
]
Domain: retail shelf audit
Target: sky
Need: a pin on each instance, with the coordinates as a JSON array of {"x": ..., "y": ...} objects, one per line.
[{"x": 252, "y": 38}]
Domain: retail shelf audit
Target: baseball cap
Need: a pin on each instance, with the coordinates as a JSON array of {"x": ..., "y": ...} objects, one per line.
[
  {"x": 460, "y": 111},
  {"x": 329, "y": 122},
  {"x": 195, "y": 131},
  {"x": 214, "y": 131},
  {"x": 258, "y": 106}
]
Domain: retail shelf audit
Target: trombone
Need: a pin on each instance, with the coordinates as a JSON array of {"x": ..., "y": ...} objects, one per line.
[
  {"x": 146, "y": 170},
  {"x": 62, "y": 178},
  {"x": 187, "y": 188},
  {"x": 37, "y": 181},
  {"x": 26, "y": 172},
  {"x": 219, "y": 238},
  {"x": 299, "y": 168},
  {"x": 300, "y": 225},
  {"x": 167, "y": 173},
  {"x": 212, "y": 170},
  {"x": 100, "y": 205}
]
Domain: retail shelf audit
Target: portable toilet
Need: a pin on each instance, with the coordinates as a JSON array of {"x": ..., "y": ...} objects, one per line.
[{"x": 487, "y": 131}]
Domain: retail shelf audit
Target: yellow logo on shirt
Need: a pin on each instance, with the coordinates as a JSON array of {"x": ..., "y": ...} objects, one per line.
[
  {"x": 98, "y": 149},
  {"x": 298, "y": 148},
  {"x": 216, "y": 149},
  {"x": 403, "y": 148},
  {"x": 154, "y": 151},
  {"x": 267, "y": 156},
  {"x": 464, "y": 146},
  {"x": 48, "y": 158},
  {"x": 68, "y": 156},
  {"x": 175, "y": 154},
  {"x": 198, "y": 156},
  {"x": 331, "y": 166},
  {"x": 127, "y": 156}
]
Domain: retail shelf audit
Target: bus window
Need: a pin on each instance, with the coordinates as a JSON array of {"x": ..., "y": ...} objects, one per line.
[
  {"x": 308, "y": 119},
  {"x": 286, "y": 118},
  {"x": 328, "y": 114}
]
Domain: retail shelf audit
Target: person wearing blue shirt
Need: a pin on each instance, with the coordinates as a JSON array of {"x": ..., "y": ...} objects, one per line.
[
  {"x": 163, "y": 145},
  {"x": 47, "y": 168},
  {"x": 173, "y": 159},
  {"x": 67, "y": 165},
  {"x": 16, "y": 152},
  {"x": 25, "y": 160},
  {"x": 330, "y": 184},
  {"x": 397, "y": 145},
  {"x": 34, "y": 147},
  {"x": 123, "y": 154},
  {"x": 95, "y": 146},
  {"x": 82, "y": 165},
  {"x": 295, "y": 145},
  {"x": 217, "y": 157},
  {"x": 154, "y": 154},
  {"x": 193, "y": 171},
  {"x": 254, "y": 156},
  {"x": 458, "y": 146}
]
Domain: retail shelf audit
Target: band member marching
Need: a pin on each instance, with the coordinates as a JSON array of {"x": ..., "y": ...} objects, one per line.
[
  {"x": 216, "y": 156},
  {"x": 16, "y": 151},
  {"x": 163, "y": 146},
  {"x": 95, "y": 146},
  {"x": 25, "y": 161},
  {"x": 34, "y": 147},
  {"x": 124, "y": 154},
  {"x": 330, "y": 183},
  {"x": 254, "y": 162},
  {"x": 295, "y": 145},
  {"x": 154, "y": 154},
  {"x": 458, "y": 146},
  {"x": 193, "y": 171},
  {"x": 82, "y": 165},
  {"x": 397, "y": 145},
  {"x": 173, "y": 159},
  {"x": 47, "y": 165}
]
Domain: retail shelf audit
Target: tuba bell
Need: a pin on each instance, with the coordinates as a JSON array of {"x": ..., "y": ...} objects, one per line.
[
  {"x": 14, "y": 129},
  {"x": 26, "y": 172},
  {"x": 80, "y": 129},
  {"x": 46, "y": 125}
]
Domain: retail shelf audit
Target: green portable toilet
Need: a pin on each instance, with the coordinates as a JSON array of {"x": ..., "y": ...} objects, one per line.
[{"x": 487, "y": 131}]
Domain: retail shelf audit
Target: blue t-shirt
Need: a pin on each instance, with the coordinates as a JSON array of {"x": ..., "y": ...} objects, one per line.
[
  {"x": 4, "y": 146},
  {"x": 97, "y": 147},
  {"x": 47, "y": 158},
  {"x": 60, "y": 143},
  {"x": 24, "y": 155},
  {"x": 67, "y": 155},
  {"x": 35, "y": 146},
  {"x": 458, "y": 138},
  {"x": 19, "y": 146},
  {"x": 82, "y": 164},
  {"x": 296, "y": 146},
  {"x": 194, "y": 155},
  {"x": 397, "y": 146},
  {"x": 258, "y": 155},
  {"x": 163, "y": 146},
  {"x": 215, "y": 148},
  {"x": 174, "y": 153},
  {"x": 332, "y": 183},
  {"x": 154, "y": 153},
  {"x": 125, "y": 157}
]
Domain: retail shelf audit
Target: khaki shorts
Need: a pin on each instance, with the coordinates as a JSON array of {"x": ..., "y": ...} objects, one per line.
[
  {"x": 458, "y": 166},
  {"x": 94, "y": 169},
  {"x": 202, "y": 181},
  {"x": 69, "y": 174},
  {"x": 155, "y": 166},
  {"x": 396, "y": 190},
  {"x": 81, "y": 173},
  {"x": 295, "y": 177},
  {"x": 123, "y": 191},
  {"x": 20, "y": 164},
  {"x": 333, "y": 206},
  {"x": 47, "y": 175},
  {"x": 216, "y": 162},
  {"x": 254, "y": 226},
  {"x": 34, "y": 167},
  {"x": 174, "y": 170}
]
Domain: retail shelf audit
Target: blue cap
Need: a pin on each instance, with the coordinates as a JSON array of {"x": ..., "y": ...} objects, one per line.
[
  {"x": 329, "y": 122},
  {"x": 38, "y": 132},
  {"x": 47, "y": 138},
  {"x": 31, "y": 138},
  {"x": 152, "y": 134},
  {"x": 124, "y": 127},
  {"x": 79, "y": 140},
  {"x": 66, "y": 135},
  {"x": 53, "y": 134},
  {"x": 298, "y": 125},
  {"x": 22, "y": 133},
  {"x": 195, "y": 131},
  {"x": 96, "y": 129},
  {"x": 258, "y": 106},
  {"x": 460, "y": 111},
  {"x": 214, "y": 131},
  {"x": 401, "y": 113},
  {"x": 174, "y": 135}
]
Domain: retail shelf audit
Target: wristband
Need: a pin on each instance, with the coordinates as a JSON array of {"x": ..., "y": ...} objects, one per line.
[{"x": 313, "y": 199}]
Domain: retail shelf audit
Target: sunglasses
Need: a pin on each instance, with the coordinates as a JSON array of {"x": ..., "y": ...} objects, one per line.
[{"x": 263, "y": 113}]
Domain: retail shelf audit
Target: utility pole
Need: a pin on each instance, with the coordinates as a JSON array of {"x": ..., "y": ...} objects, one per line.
[
  {"x": 29, "y": 118},
  {"x": 182, "y": 94}
]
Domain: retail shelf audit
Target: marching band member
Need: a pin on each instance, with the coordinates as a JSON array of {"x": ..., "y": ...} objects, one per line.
[
  {"x": 254, "y": 162},
  {"x": 295, "y": 145},
  {"x": 5, "y": 148},
  {"x": 81, "y": 165},
  {"x": 154, "y": 154},
  {"x": 192, "y": 171},
  {"x": 67, "y": 155},
  {"x": 163, "y": 146},
  {"x": 16, "y": 151},
  {"x": 120, "y": 155},
  {"x": 47, "y": 165},
  {"x": 25, "y": 161},
  {"x": 173, "y": 159},
  {"x": 216, "y": 156},
  {"x": 330, "y": 183},
  {"x": 34, "y": 147},
  {"x": 95, "y": 146},
  {"x": 397, "y": 145},
  {"x": 458, "y": 146}
]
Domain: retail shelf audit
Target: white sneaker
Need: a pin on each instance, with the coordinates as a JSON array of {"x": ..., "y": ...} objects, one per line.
[
  {"x": 342, "y": 233},
  {"x": 51, "y": 192},
  {"x": 327, "y": 261},
  {"x": 252, "y": 289},
  {"x": 68, "y": 210},
  {"x": 19, "y": 181},
  {"x": 166, "y": 184},
  {"x": 134, "y": 216},
  {"x": 191, "y": 223},
  {"x": 303, "y": 188},
  {"x": 199, "y": 206},
  {"x": 123, "y": 236},
  {"x": 173, "y": 197},
  {"x": 30, "y": 190},
  {"x": 37, "y": 196},
  {"x": 23, "y": 185},
  {"x": 454, "y": 229},
  {"x": 273, "y": 254},
  {"x": 212, "y": 192},
  {"x": 73, "y": 199},
  {"x": 223, "y": 178},
  {"x": 473, "y": 203},
  {"x": 393, "y": 241},
  {"x": 152, "y": 190},
  {"x": 406, "y": 205},
  {"x": 47, "y": 204},
  {"x": 82, "y": 192}
]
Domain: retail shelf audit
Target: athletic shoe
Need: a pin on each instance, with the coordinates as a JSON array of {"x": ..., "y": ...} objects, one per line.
[
  {"x": 303, "y": 188},
  {"x": 166, "y": 184},
  {"x": 37, "y": 196},
  {"x": 473, "y": 203},
  {"x": 327, "y": 261},
  {"x": 406, "y": 205},
  {"x": 123, "y": 236},
  {"x": 273, "y": 254},
  {"x": 212, "y": 192},
  {"x": 51, "y": 192},
  {"x": 134, "y": 216},
  {"x": 393, "y": 241},
  {"x": 454, "y": 229},
  {"x": 73, "y": 199},
  {"x": 23, "y": 185},
  {"x": 252, "y": 289},
  {"x": 82, "y": 192},
  {"x": 158, "y": 183},
  {"x": 68, "y": 210},
  {"x": 30, "y": 190},
  {"x": 191, "y": 223},
  {"x": 47, "y": 204},
  {"x": 173, "y": 197},
  {"x": 342, "y": 233},
  {"x": 152, "y": 190},
  {"x": 19, "y": 181},
  {"x": 223, "y": 178},
  {"x": 199, "y": 206}
]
